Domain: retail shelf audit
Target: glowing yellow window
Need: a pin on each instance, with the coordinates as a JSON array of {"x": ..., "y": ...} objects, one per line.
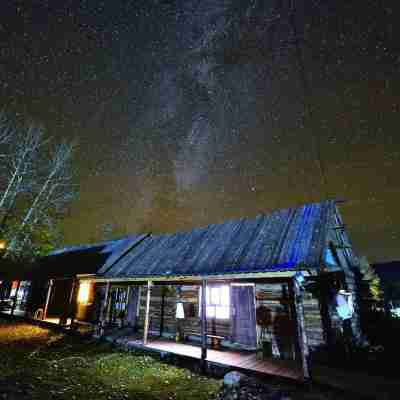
[{"x": 84, "y": 291}]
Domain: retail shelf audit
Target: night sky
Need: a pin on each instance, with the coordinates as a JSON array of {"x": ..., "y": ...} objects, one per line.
[{"x": 192, "y": 112}]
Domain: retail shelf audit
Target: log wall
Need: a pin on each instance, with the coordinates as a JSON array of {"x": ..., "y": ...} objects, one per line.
[
  {"x": 313, "y": 320},
  {"x": 276, "y": 298},
  {"x": 281, "y": 330},
  {"x": 191, "y": 322}
]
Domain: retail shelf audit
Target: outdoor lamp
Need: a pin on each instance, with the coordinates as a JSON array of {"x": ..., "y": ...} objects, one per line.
[
  {"x": 299, "y": 278},
  {"x": 180, "y": 312}
]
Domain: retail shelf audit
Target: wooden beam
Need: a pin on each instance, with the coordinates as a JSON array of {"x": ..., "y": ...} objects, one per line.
[
  {"x": 324, "y": 310},
  {"x": 3, "y": 289},
  {"x": 72, "y": 306},
  {"x": 147, "y": 316},
  {"x": 203, "y": 325},
  {"x": 339, "y": 227},
  {"x": 103, "y": 310},
  {"x": 341, "y": 246},
  {"x": 193, "y": 280},
  {"x": 301, "y": 330},
  {"x": 70, "y": 311},
  {"x": 128, "y": 295},
  {"x": 64, "y": 315},
  {"x": 163, "y": 290},
  {"x": 46, "y": 306},
  {"x": 15, "y": 298}
]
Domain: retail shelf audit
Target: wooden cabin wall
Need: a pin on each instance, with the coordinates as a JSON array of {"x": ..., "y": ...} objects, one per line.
[
  {"x": 349, "y": 264},
  {"x": 331, "y": 287},
  {"x": 191, "y": 322},
  {"x": 283, "y": 334},
  {"x": 282, "y": 331},
  {"x": 36, "y": 297},
  {"x": 59, "y": 298},
  {"x": 313, "y": 320}
]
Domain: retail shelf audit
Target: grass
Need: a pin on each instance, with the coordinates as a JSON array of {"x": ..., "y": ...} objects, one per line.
[{"x": 38, "y": 363}]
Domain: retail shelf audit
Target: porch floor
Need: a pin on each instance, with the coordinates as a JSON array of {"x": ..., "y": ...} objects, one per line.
[{"x": 229, "y": 358}]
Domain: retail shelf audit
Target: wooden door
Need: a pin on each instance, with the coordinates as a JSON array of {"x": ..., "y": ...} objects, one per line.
[
  {"x": 133, "y": 300},
  {"x": 243, "y": 316}
]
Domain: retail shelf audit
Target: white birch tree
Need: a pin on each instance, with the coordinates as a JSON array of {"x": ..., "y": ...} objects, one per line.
[
  {"x": 19, "y": 162},
  {"x": 36, "y": 185}
]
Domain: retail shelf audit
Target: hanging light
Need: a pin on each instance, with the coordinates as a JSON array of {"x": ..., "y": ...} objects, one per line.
[
  {"x": 180, "y": 312},
  {"x": 299, "y": 278}
]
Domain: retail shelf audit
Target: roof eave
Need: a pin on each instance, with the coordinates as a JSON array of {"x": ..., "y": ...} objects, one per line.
[{"x": 163, "y": 278}]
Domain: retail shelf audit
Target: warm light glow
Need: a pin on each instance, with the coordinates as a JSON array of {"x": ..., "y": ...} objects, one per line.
[
  {"x": 218, "y": 302},
  {"x": 180, "y": 312},
  {"x": 2, "y": 245},
  {"x": 84, "y": 291}
]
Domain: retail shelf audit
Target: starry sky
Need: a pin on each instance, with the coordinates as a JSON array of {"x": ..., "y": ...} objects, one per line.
[{"x": 192, "y": 112}]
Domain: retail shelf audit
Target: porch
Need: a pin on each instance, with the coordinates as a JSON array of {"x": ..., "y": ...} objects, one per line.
[
  {"x": 215, "y": 322},
  {"x": 230, "y": 359}
]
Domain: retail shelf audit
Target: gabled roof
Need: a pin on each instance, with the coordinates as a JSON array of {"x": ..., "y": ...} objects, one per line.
[
  {"x": 276, "y": 242},
  {"x": 84, "y": 259}
]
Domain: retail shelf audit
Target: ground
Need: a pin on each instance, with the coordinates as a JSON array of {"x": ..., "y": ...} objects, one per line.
[{"x": 36, "y": 363}]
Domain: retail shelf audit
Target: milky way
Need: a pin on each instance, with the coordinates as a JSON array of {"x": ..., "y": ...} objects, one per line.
[{"x": 189, "y": 113}]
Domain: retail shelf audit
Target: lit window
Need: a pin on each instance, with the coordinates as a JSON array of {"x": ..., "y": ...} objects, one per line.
[
  {"x": 218, "y": 302},
  {"x": 84, "y": 290},
  {"x": 180, "y": 311}
]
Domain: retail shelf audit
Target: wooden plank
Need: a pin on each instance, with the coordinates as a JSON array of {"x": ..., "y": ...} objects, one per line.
[
  {"x": 71, "y": 308},
  {"x": 15, "y": 298},
  {"x": 301, "y": 330},
  {"x": 147, "y": 316},
  {"x": 231, "y": 359},
  {"x": 103, "y": 310},
  {"x": 162, "y": 316},
  {"x": 46, "y": 306},
  {"x": 68, "y": 312},
  {"x": 203, "y": 323}
]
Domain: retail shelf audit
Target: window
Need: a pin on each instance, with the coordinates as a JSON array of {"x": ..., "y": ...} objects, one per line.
[
  {"x": 84, "y": 291},
  {"x": 217, "y": 302}
]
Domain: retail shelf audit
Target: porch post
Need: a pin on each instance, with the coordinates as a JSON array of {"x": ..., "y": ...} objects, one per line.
[
  {"x": 15, "y": 298},
  {"x": 162, "y": 310},
  {"x": 301, "y": 331},
  {"x": 2, "y": 290},
  {"x": 203, "y": 325},
  {"x": 103, "y": 309},
  {"x": 46, "y": 306},
  {"x": 147, "y": 316},
  {"x": 70, "y": 307},
  {"x": 128, "y": 300},
  {"x": 324, "y": 308}
]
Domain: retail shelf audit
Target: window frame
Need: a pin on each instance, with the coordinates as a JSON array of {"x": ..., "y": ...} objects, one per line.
[{"x": 220, "y": 304}]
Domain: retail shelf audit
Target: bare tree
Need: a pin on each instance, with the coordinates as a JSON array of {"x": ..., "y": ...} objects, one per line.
[
  {"x": 52, "y": 192},
  {"x": 36, "y": 183},
  {"x": 19, "y": 161},
  {"x": 5, "y": 131}
]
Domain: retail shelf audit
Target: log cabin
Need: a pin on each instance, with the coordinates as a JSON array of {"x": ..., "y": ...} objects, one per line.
[{"x": 284, "y": 284}]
